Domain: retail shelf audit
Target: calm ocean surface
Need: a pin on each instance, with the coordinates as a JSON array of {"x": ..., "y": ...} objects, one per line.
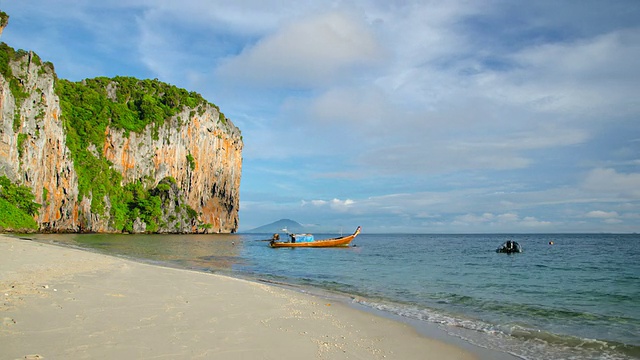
[{"x": 576, "y": 299}]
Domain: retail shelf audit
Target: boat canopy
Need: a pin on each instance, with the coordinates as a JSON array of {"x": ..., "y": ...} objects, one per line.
[{"x": 303, "y": 237}]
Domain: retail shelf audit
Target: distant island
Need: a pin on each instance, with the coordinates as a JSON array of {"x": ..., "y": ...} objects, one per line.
[
  {"x": 277, "y": 226},
  {"x": 293, "y": 226}
]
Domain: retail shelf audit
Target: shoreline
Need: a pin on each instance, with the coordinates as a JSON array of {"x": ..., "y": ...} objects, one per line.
[
  {"x": 60, "y": 302},
  {"x": 428, "y": 330}
]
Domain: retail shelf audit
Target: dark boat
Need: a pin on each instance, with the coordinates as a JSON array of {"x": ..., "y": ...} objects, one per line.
[
  {"x": 509, "y": 247},
  {"x": 307, "y": 240}
]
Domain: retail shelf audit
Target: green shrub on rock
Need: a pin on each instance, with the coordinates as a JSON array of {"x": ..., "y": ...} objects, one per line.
[{"x": 17, "y": 207}]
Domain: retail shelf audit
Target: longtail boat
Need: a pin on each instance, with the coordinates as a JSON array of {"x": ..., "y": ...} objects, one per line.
[{"x": 307, "y": 240}]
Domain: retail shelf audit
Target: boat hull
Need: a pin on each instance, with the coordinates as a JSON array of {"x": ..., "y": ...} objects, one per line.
[
  {"x": 336, "y": 242},
  {"x": 513, "y": 249},
  {"x": 504, "y": 251}
]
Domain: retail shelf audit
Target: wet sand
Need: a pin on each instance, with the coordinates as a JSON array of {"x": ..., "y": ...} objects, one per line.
[{"x": 63, "y": 303}]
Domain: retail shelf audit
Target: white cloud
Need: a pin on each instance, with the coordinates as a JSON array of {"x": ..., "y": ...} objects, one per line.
[
  {"x": 613, "y": 183},
  {"x": 581, "y": 77},
  {"x": 311, "y": 52},
  {"x": 367, "y": 108},
  {"x": 613, "y": 221},
  {"x": 407, "y": 151},
  {"x": 602, "y": 214},
  {"x": 342, "y": 205},
  {"x": 530, "y": 222},
  {"x": 474, "y": 219},
  {"x": 509, "y": 217},
  {"x": 334, "y": 204},
  {"x": 505, "y": 221}
]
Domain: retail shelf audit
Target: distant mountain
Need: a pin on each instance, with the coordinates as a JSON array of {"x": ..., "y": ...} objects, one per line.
[{"x": 276, "y": 227}]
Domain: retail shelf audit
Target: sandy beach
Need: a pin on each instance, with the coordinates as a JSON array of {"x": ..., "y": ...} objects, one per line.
[{"x": 63, "y": 303}]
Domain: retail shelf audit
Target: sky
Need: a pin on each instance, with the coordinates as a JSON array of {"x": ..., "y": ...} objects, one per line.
[{"x": 455, "y": 116}]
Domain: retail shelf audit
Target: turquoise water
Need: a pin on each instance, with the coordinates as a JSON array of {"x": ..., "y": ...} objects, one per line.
[{"x": 576, "y": 299}]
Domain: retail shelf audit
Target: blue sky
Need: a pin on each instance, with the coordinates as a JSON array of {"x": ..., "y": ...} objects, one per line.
[{"x": 400, "y": 116}]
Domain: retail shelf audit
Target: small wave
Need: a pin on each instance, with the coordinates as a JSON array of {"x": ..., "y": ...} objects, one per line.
[
  {"x": 456, "y": 299},
  {"x": 531, "y": 311},
  {"x": 517, "y": 339},
  {"x": 610, "y": 349}
]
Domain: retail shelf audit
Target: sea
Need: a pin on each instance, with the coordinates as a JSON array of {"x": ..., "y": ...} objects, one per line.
[{"x": 566, "y": 296}]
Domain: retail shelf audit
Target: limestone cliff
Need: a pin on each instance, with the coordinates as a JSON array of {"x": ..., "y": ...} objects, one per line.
[{"x": 191, "y": 161}]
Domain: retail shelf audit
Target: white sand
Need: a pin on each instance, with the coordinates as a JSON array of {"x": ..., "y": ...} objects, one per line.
[{"x": 62, "y": 303}]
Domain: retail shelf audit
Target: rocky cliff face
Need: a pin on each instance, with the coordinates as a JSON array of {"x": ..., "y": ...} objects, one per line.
[
  {"x": 200, "y": 150},
  {"x": 32, "y": 143},
  {"x": 210, "y": 182}
]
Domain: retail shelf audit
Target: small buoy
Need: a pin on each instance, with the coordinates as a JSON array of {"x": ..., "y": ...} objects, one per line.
[{"x": 550, "y": 242}]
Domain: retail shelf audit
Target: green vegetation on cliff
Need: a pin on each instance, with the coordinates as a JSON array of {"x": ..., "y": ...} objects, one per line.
[
  {"x": 7, "y": 53},
  {"x": 92, "y": 105},
  {"x": 138, "y": 202},
  {"x": 17, "y": 206},
  {"x": 14, "y": 219},
  {"x": 123, "y": 102}
]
